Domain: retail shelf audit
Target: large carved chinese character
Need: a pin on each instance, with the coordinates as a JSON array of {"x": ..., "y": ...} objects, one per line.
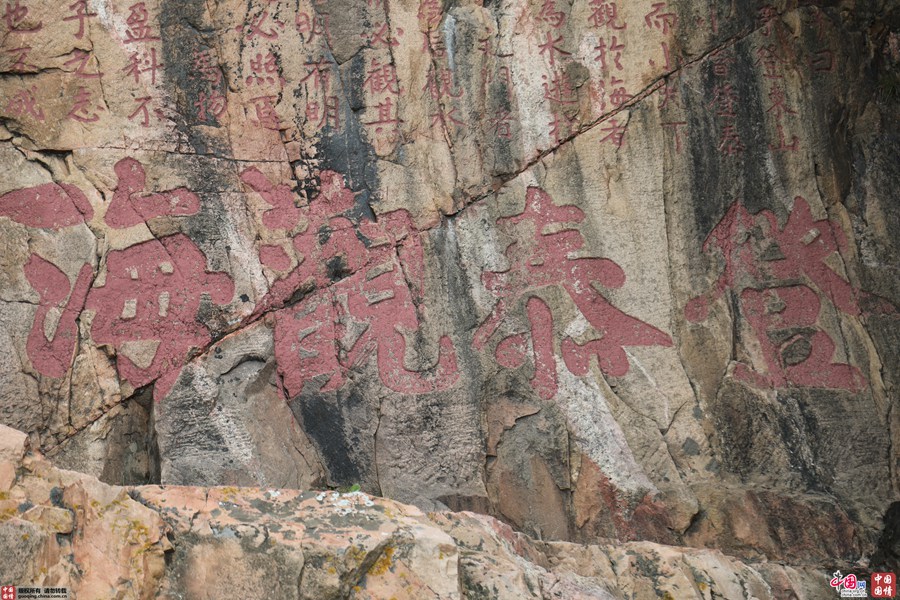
[
  {"x": 338, "y": 329},
  {"x": 364, "y": 280},
  {"x": 544, "y": 256},
  {"x": 780, "y": 275},
  {"x": 147, "y": 308}
]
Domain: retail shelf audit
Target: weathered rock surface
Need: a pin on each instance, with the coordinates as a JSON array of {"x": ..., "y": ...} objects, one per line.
[
  {"x": 64, "y": 529},
  {"x": 601, "y": 270}
]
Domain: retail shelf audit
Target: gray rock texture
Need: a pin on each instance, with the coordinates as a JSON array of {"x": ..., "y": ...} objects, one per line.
[{"x": 600, "y": 270}]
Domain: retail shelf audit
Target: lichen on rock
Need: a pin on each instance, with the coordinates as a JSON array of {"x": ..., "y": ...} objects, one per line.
[{"x": 607, "y": 289}]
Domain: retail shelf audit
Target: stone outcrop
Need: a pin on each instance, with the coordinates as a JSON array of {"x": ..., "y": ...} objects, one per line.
[
  {"x": 599, "y": 270},
  {"x": 65, "y": 529}
]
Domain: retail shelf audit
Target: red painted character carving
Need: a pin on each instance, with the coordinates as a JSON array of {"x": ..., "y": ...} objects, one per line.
[
  {"x": 674, "y": 125},
  {"x": 446, "y": 118},
  {"x": 551, "y": 15},
  {"x": 725, "y": 99},
  {"x": 325, "y": 114},
  {"x": 147, "y": 308},
  {"x": 266, "y": 115},
  {"x": 439, "y": 84},
  {"x": 210, "y": 106},
  {"x": 259, "y": 26},
  {"x": 560, "y": 126},
  {"x": 772, "y": 61},
  {"x": 318, "y": 73},
  {"x": 502, "y": 124},
  {"x": 433, "y": 43},
  {"x": 311, "y": 26},
  {"x": 138, "y": 21},
  {"x": 780, "y": 275},
  {"x": 81, "y": 58},
  {"x": 263, "y": 70},
  {"x": 767, "y": 15},
  {"x": 17, "y": 18},
  {"x": 207, "y": 66},
  {"x": 551, "y": 48},
  {"x": 24, "y": 102},
  {"x": 140, "y": 63},
  {"x": 667, "y": 93},
  {"x": 51, "y": 206},
  {"x": 339, "y": 328},
  {"x": 81, "y": 14},
  {"x": 382, "y": 78},
  {"x": 382, "y": 37},
  {"x": 664, "y": 21},
  {"x": 365, "y": 280},
  {"x": 52, "y": 357},
  {"x": 83, "y": 109},
  {"x": 211, "y": 102},
  {"x": 619, "y": 95},
  {"x": 484, "y": 45},
  {"x": 822, "y": 61},
  {"x": 131, "y": 205},
  {"x": 558, "y": 88},
  {"x": 143, "y": 110},
  {"x": 387, "y": 123},
  {"x": 546, "y": 260},
  {"x": 615, "y": 133},
  {"x": 20, "y": 62},
  {"x": 430, "y": 14},
  {"x": 605, "y": 14},
  {"x": 613, "y": 50}
]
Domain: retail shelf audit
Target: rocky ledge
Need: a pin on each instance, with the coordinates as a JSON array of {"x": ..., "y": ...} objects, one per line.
[{"x": 60, "y": 528}]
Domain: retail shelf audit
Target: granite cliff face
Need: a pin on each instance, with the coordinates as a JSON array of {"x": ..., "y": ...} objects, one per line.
[
  {"x": 63, "y": 528},
  {"x": 613, "y": 273}
]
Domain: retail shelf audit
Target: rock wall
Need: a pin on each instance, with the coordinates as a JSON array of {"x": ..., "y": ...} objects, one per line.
[
  {"x": 602, "y": 270},
  {"x": 66, "y": 529}
]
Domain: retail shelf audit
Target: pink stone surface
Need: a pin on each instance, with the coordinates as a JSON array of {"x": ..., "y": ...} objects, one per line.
[
  {"x": 53, "y": 357},
  {"x": 50, "y": 205},
  {"x": 283, "y": 214},
  {"x": 131, "y": 205},
  {"x": 274, "y": 257}
]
